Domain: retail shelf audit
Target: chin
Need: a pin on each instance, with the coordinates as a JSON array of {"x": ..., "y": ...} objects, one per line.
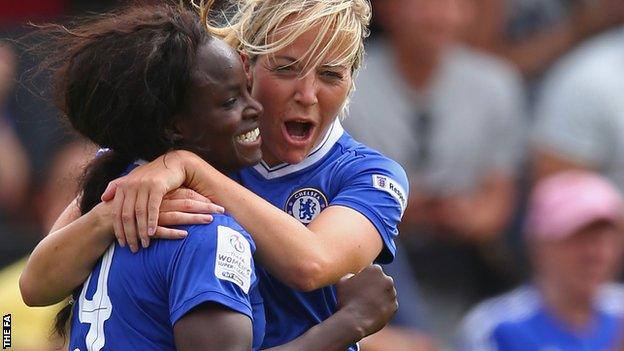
[{"x": 294, "y": 158}]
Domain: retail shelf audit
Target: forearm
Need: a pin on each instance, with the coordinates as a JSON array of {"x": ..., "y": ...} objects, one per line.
[
  {"x": 336, "y": 333},
  {"x": 64, "y": 259},
  {"x": 305, "y": 258}
]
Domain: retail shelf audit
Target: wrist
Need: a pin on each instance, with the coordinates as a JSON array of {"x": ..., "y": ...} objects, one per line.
[
  {"x": 102, "y": 221},
  {"x": 351, "y": 324}
]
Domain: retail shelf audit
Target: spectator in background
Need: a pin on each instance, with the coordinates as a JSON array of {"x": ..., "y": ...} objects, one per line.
[
  {"x": 453, "y": 117},
  {"x": 14, "y": 167},
  {"x": 580, "y": 112},
  {"x": 534, "y": 33},
  {"x": 13, "y": 159},
  {"x": 575, "y": 237}
]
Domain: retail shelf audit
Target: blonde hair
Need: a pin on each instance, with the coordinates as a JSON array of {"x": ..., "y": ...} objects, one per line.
[
  {"x": 341, "y": 24},
  {"x": 263, "y": 27}
]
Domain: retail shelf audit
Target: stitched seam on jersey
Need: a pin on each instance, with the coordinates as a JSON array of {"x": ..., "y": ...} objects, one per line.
[{"x": 211, "y": 292}]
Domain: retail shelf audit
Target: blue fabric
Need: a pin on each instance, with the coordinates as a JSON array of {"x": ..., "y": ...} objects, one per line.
[
  {"x": 541, "y": 332},
  {"x": 148, "y": 292},
  {"x": 350, "y": 175}
]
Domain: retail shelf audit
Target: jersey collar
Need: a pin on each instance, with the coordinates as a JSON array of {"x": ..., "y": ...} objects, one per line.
[{"x": 329, "y": 140}]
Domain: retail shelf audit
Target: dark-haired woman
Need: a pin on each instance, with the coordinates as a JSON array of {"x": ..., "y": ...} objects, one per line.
[{"x": 144, "y": 81}]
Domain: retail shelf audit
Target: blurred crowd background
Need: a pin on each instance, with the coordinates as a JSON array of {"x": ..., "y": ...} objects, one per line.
[{"x": 480, "y": 101}]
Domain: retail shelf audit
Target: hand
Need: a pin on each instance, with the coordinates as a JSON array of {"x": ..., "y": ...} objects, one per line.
[
  {"x": 369, "y": 297},
  {"x": 138, "y": 196}
]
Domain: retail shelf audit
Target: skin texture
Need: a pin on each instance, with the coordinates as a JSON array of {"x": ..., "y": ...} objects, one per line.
[
  {"x": 213, "y": 327},
  {"x": 338, "y": 241},
  {"x": 318, "y": 255},
  {"x": 288, "y": 93},
  {"x": 220, "y": 109}
]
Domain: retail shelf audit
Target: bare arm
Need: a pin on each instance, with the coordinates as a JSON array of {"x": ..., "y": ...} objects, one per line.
[
  {"x": 64, "y": 259},
  {"x": 211, "y": 327},
  {"x": 367, "y": 301},
  {"x": 338, "y": 241}
]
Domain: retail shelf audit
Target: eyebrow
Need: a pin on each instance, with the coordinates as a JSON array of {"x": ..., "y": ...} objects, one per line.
[{"x": 293, "y": 60}]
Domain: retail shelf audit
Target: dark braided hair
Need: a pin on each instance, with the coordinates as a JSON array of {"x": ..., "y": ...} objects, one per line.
[{"x": 121, "y": 80}]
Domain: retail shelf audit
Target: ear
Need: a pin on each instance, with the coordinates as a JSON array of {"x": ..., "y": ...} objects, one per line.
[{"x": 247, "y": 66}]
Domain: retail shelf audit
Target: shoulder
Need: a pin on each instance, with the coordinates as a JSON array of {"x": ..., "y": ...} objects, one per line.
[
  {"x": 358, "y": 157},
  {"x": 513, "y": 307},
  {"x": 208, "y": 234}
]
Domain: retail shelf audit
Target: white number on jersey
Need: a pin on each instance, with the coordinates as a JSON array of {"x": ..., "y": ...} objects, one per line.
[{"x": 97, "y": 310}]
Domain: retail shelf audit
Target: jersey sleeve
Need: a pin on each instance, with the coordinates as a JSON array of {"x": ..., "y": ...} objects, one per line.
[
  {"x": 376, "y": 187},
  {"x": 214, "y": 264}
]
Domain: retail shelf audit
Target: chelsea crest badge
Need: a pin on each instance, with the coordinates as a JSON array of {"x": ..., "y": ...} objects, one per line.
[{"x": 305, "y": 204}]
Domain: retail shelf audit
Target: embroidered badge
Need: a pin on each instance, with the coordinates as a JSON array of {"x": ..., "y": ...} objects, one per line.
[{"x": 305, "y": 204}]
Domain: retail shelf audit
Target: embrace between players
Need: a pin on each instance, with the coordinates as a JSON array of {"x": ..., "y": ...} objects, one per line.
[{"x": 230, "y": 150}]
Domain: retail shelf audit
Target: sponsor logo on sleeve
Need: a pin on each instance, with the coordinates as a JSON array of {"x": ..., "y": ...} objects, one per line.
[
  {"x": 233, "y": 261},
  {"x": 305, "y": 204},
  {"x": 393, "y": 188}
]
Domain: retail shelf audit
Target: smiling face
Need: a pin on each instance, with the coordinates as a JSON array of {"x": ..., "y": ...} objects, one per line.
[
  {"x": 220, "y": 118},
  {"x": 300, "y": 103}
]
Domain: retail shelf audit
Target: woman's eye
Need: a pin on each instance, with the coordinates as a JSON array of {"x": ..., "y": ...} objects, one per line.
[
  {"x": 230, "y": 102},
  {"x": 332, "y": 75},
  {"x": 287, "y": 68}
]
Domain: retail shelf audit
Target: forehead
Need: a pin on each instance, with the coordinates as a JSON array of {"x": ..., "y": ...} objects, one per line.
[
  {"x": 216, "y": 62},
  {"x": 318, "y": 44}
]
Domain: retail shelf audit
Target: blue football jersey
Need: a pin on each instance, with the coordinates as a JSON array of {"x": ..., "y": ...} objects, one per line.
[
  {"x": 521, "y": 321},
  {"x": 339, "y": 171},
  {"x": 131, "y": 301}
]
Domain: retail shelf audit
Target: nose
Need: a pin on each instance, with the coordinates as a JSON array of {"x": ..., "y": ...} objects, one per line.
[
  {"x": 306, "y": 89},
  {"x": 253, "y": 110}
]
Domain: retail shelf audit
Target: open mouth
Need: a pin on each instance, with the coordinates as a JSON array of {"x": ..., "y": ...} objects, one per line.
[
  {"x": 299, "y": 130},
  {"x": 249, "y": 137}
]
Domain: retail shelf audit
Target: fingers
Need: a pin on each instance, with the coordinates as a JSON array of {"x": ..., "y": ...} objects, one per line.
[
  {"x": 168, "y": 233},
  {"x": 153, "y": 209},
  {"x": 116, "y": 217},
  {"x": 346, "y": 277},
  {"x": 109, "y": 193},
  {"x": 128, "y": 220},
  {"x": 141, "y": 213},
  {"x": 190, "y": 206},
  {"x": 179, "y": 218},
  {"x": 186, "y": 193}
]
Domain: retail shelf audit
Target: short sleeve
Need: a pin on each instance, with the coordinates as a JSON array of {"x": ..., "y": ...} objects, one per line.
[
  {"x": 214, "y": 264},
  {"x": 377, "y": 188}
]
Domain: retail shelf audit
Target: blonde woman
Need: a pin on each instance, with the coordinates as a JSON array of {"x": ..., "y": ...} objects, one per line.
[{"x": 342, "y": 200}]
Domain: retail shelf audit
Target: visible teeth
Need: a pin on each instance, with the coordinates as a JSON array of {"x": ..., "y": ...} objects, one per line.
[{"x": 249, "y": 137}]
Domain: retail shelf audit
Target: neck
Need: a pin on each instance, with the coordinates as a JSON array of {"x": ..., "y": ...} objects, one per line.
[
  {"x": 268, "y": 157},
  {"x": 417, "y": 64},
  {"x": 575, "y": 310}
]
